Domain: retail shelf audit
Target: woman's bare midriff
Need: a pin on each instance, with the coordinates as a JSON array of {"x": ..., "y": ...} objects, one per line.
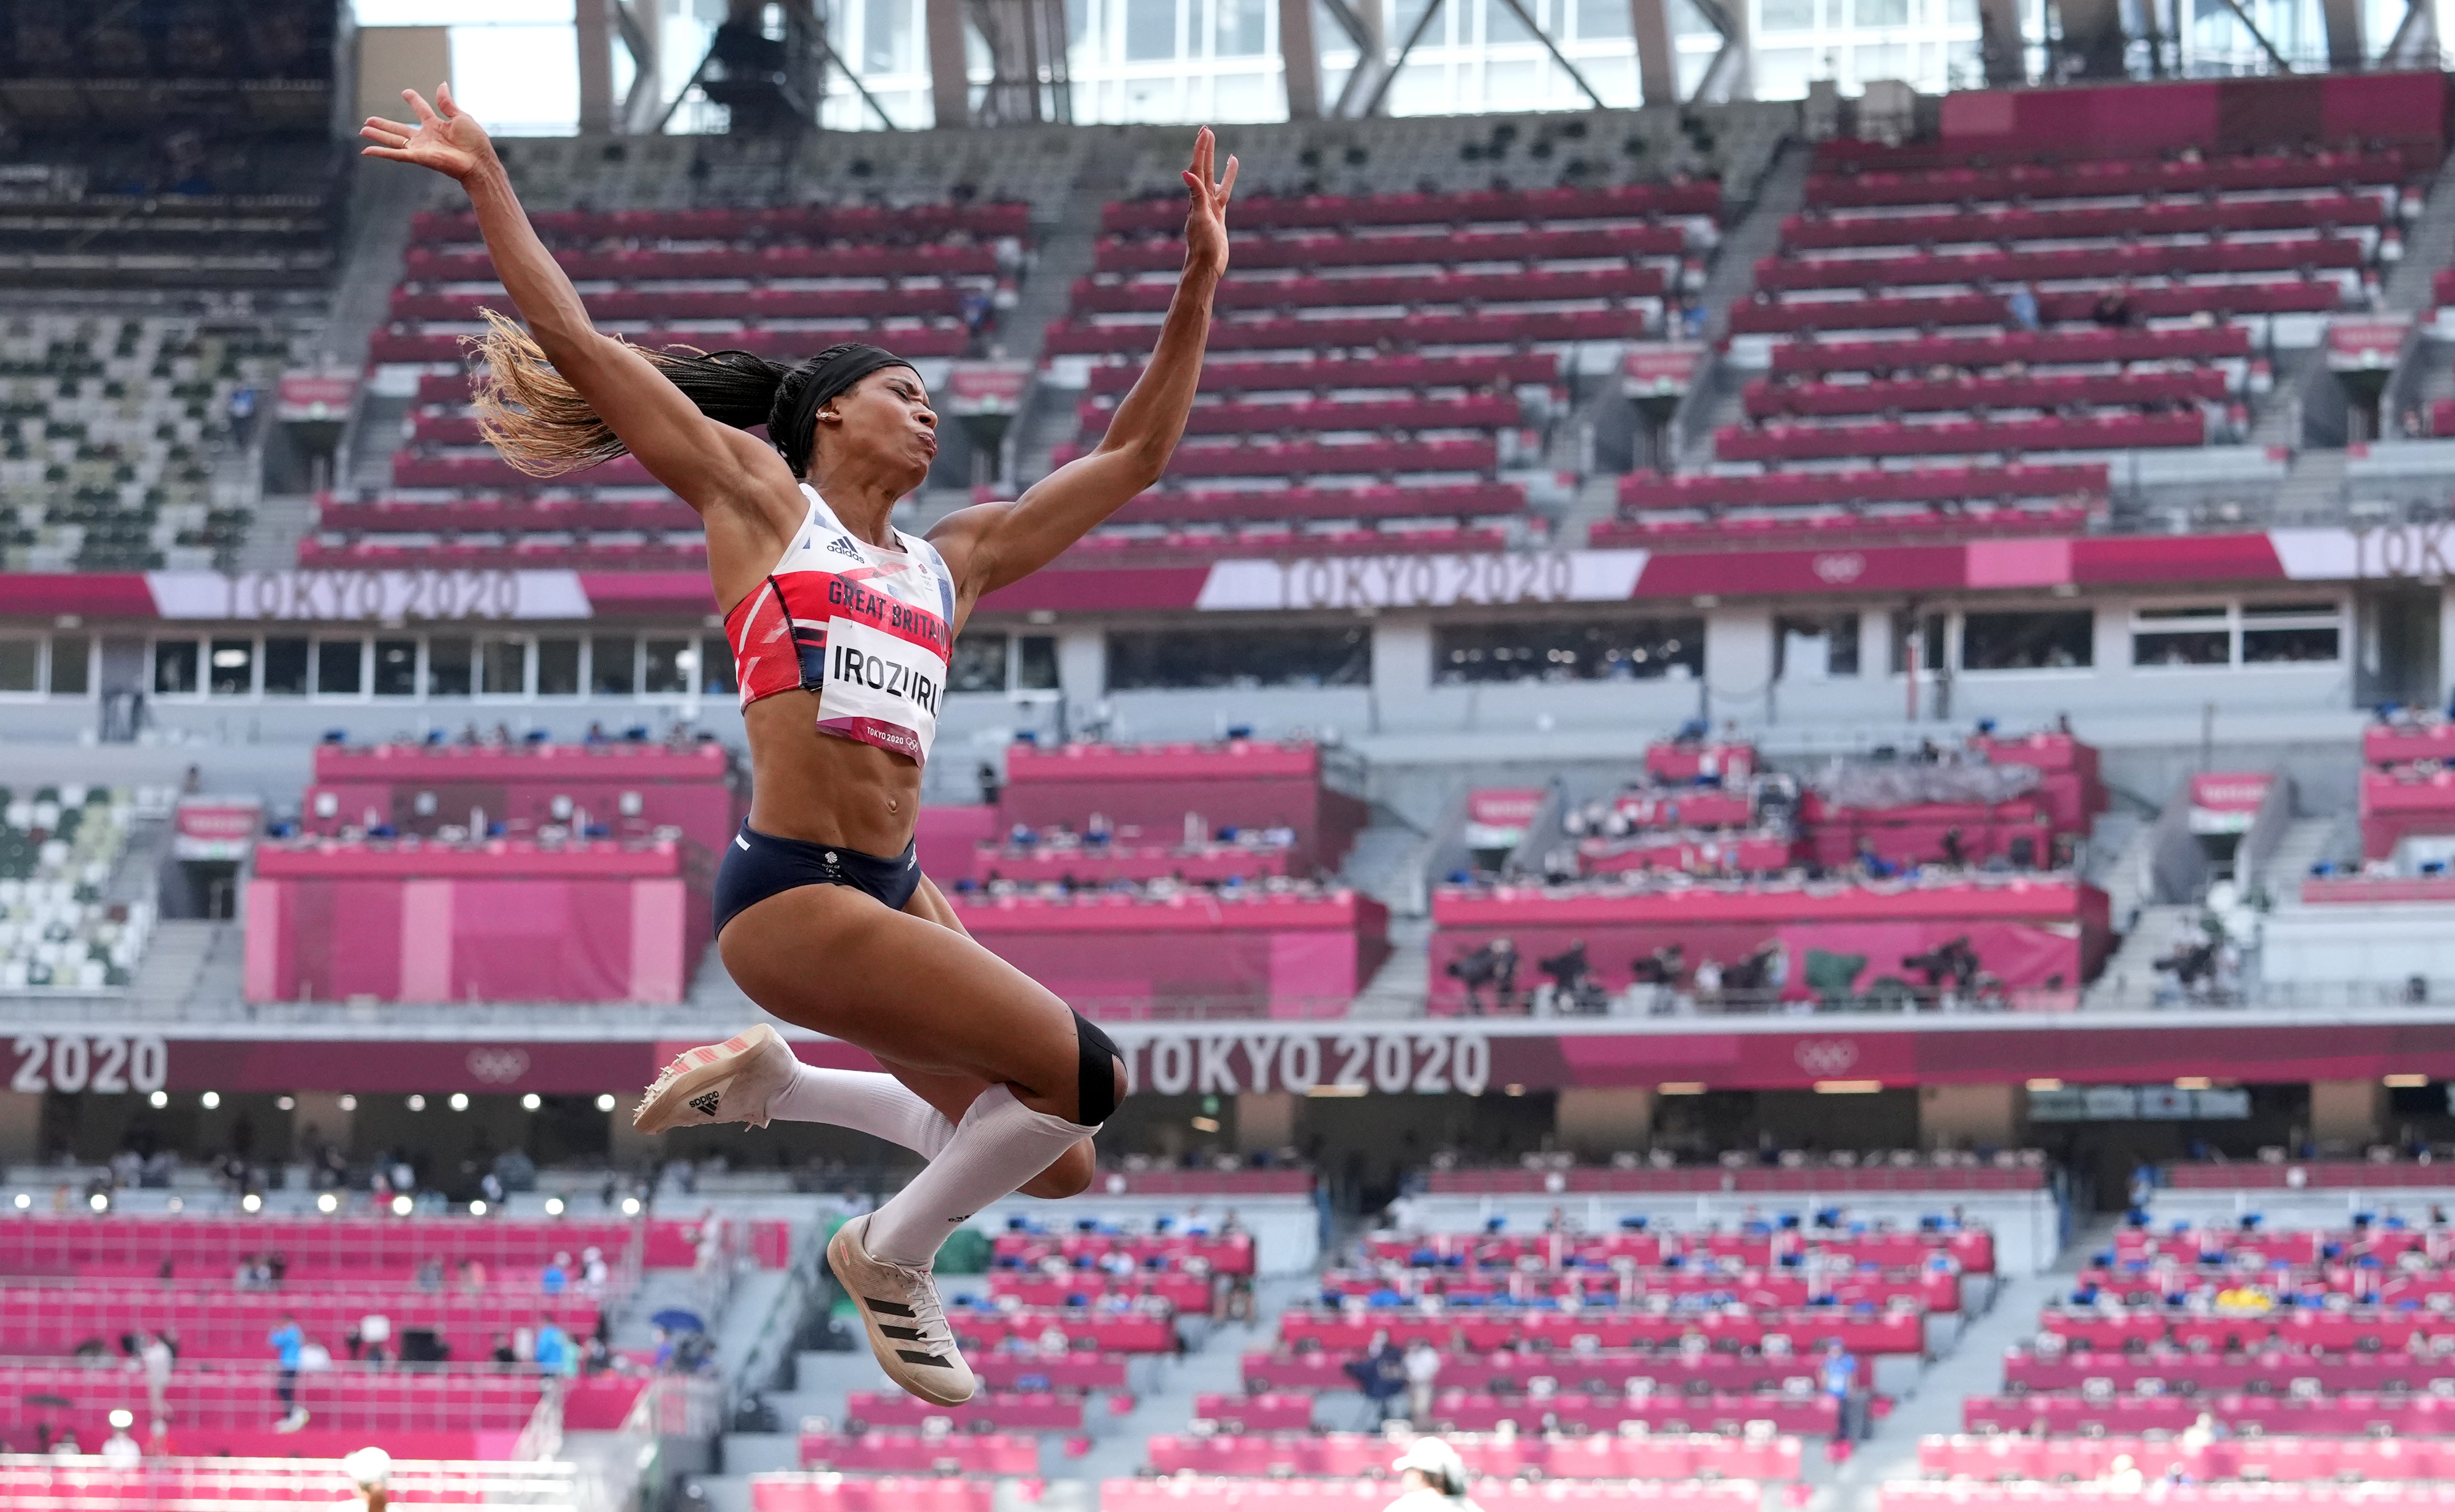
[{"x": 823, "y": 788}]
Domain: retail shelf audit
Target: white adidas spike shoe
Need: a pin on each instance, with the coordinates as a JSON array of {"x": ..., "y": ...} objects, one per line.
[
  {"x": 728, "y": 1083},
  {"x": 907, "y": 1325}
]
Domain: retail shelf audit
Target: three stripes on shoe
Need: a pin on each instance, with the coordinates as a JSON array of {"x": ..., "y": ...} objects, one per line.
[{"x": 902, "y": 1335}]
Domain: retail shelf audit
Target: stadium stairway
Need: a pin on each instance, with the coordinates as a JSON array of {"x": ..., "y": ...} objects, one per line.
[
  {"x": 1974, "y": 1367},
  {"x": 2428, "y": 245},
  {"x": 2313, "y": 490},
  {"x": 2130, "y": 974},
  {"x": 2306, "y": 842},
  {"x": 1714, "y": 398}
]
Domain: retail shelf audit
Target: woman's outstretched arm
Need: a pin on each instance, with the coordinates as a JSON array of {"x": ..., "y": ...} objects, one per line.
[
  {"x": 992, "y": 545},
  {"x": 713, "y": 467}
]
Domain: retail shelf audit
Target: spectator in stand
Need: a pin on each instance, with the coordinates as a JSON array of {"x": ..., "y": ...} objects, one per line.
[
  {"x": 556, "y": 1277},
  {"x": 288, "y": 1343},
  {"x": 593, "y": 1272},
  {"x": 991, "y": 785},
  {"x": 1840, "y": 1380},
  {"x": 374, "y": 1341},
  {"x": 154, "y": 1357},
  {"x": 1382, "y": 1374},
  {"x": 1434, "y": 1479},
  {"x": 119, "y": 1451},
  {"x": 2022, "y": 305},
  {"x": 2114, "y": 310},
  {"x": 503, "y": 1354},
  {"x": 1423, "y": 1370},
  {"x": 553, "y": 1351}
]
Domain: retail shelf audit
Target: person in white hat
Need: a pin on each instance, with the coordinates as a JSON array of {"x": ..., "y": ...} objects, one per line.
[
  {"x": 1434, "y": 1477},
  {"x": 370, "y": 1472}
]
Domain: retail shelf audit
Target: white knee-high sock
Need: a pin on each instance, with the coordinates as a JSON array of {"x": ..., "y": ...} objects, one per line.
[
  {"x": 999, "y": 1145},
  {"x": 871, "y": 1102}
]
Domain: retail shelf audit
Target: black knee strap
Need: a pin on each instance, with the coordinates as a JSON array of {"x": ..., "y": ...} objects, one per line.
[{"x": 1098, "y": 1094}]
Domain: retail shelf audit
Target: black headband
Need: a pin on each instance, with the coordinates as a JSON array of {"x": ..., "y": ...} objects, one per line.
[{"x": 820, "y": 378}]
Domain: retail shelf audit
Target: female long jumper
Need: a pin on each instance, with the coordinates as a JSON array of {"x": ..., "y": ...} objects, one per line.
[{"x": 842, "y": 627}]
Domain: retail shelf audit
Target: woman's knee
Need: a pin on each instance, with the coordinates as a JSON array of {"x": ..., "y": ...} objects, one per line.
[{"x": 1069, "y": 1174}]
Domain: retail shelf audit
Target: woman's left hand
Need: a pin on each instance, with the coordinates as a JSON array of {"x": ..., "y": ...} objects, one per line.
[{"x": 1206, "y": 223}]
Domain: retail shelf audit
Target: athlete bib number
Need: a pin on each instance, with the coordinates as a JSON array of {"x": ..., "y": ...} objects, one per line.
[{"x": 881, "y": 688}]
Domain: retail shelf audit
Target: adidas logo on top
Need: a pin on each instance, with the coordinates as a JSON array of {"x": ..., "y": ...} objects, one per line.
[{"x": 843, "y": 546}]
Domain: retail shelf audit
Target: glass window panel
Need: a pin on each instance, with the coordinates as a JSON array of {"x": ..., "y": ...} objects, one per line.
[
  {"x": 2315, "y": 643},
  {"x": 669, "y": 665},
  {"x": 1035, "y": 663},
  {"x": 503, "y": 667},
  {"x": 1880, "y": 13},
  {"x": 2182, "y": 648},
  {"x": 1566, "y": 651},
  {"x": 72, "y": 665},
  {"x": 716, "y": 670},
  {"x": 557, "y": 667},
  {"x": 285, "y": 666},
  {"x": 979, "y": 662},
  {"x": 612, "y": 666},
  {"x": 339, "y": 667},
  {"x": 396, "y": 668},
  {"x": 1242, "y": 26},
  {"x": 2308, "y": 609},
  {"x": 1239, "y": 658},
  {"x": 1787, "y": 16},
  {"x": 1501, "y": 25},
  {"x": 176, "y": 664},
  {"x": 449, "y": 660},
  {"x": 881, "y": 35},
  {"x": 1811, "y": 647},
  {"x": 233, "y": 667},
  {"x": 1597, "y": 19},
  {"x": 1150, "y": 30},
  {"x": 2024, "y": 641},
  {"x": 21, "y": 661}
]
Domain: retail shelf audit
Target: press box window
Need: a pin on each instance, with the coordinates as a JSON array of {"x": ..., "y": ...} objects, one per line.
[
  {"x": 21, "y": 666},
  {"x": 285, "y": 666},
  {"x": 613, "y": 663},
  {"x": 2033, "y": 640},
  {"x": 979, "y": 662},
  {"x": 1811, "y": 647},
  {"x": 72, "y": 665},
  {"x": 1340, "y": 657},
  {"x": 340, "y": 668},
  {"x": 233, "y": 664},
  {"x": 448, "y": 666},
  {"x": 396, "y": 668},
  {"x": 557, "y": 667},
  {"x": 716, "y": 673},
  {"x": 503, "y": 668},
  {"x": 668, "y": 665},
  {"x": 2291, "y": 632},
  {"x": 176, "y": 664},
  {"x": 1565, "y": 651},
  {"x": 2182, "y": 635}
]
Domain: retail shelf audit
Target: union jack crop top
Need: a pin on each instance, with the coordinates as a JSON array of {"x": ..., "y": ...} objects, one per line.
[{"x": 869, "y": 630}]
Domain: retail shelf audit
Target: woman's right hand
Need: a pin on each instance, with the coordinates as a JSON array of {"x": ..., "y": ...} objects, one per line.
[{"x": 445, "y": 140}]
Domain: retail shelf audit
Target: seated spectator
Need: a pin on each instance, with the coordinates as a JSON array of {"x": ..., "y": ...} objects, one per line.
[
  {"x": 2114, "y": 310},
  {"x": 2022, "y": 305}
]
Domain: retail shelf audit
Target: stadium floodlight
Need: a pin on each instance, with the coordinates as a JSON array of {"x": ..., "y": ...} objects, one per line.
[
  {"x": 478, "y": 1207},
  {"x": 251, "y": 1204},
  {"x": 328, "y": 1203},
  {"x": 630, "y": 1207},
  {"x": 459, "y": 1102},
  {"x": 348, "y": 1103},
  {"x": 100, "y": 1201},
  {"x": 210, "y": 1100},
  {"x": 122, "y": 1418},
  {"x": 531, "y": 1101},
  {"x": 554, "y": 1207},
  {"x": 417, "y": 1102},
  {"x": 25, "y": 1200},
  {"x": 604, "y": 1102},
  {"x": 402, "y": 1205},
  {"x": 159, "y": 1098}
]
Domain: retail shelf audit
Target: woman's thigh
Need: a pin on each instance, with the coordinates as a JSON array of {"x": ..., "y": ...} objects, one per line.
[{"x": 919, "y": 996}]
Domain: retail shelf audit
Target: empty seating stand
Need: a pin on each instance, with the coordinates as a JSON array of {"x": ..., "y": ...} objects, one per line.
[
  {"x": 1383, "y": 364},
  {"x": 1885, "y": 330},
  {"x": 926, "y": 279}
]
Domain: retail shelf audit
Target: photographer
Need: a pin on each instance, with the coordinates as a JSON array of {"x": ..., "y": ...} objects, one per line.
[
  {"x": 1574, "y": 987},
  {"x": 1493, "y": 966}
]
